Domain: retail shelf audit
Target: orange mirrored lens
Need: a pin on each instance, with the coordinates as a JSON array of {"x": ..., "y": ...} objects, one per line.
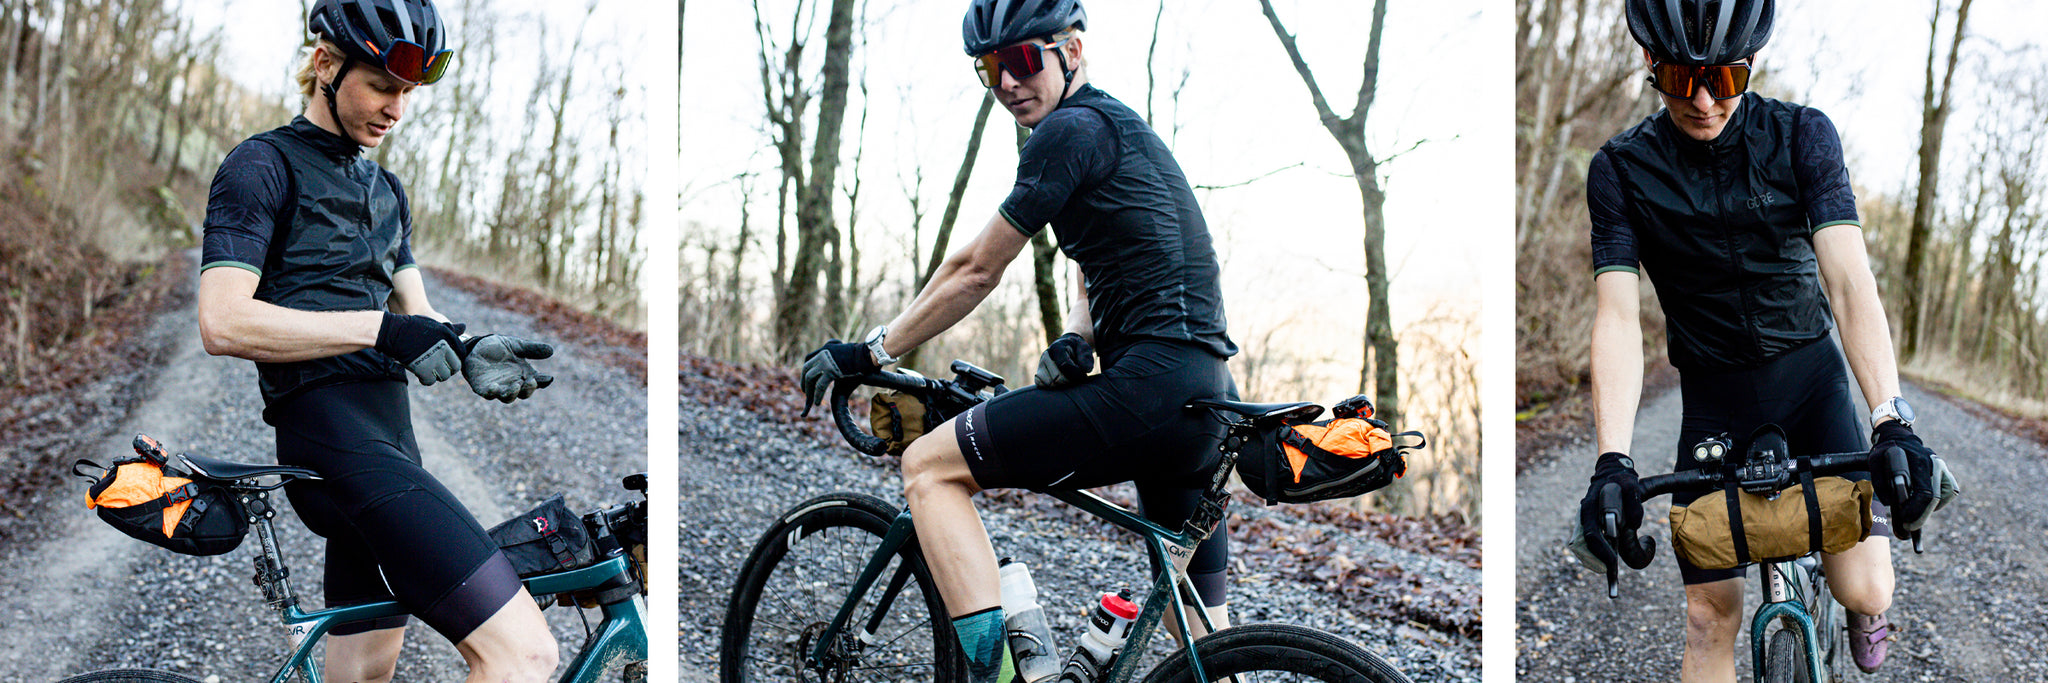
[
  {"x": 1722, "y": 81},
  {"x": 409, "y": 61}
]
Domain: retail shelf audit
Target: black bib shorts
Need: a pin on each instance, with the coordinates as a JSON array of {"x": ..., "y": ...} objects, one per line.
[
  {"x": 1126, "y": 424},
  {"x": 393, "y": 531}
]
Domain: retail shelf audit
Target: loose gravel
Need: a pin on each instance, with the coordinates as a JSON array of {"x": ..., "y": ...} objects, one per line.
[
  {"x": 740, "y": 471},
  {"x": 1970, "y": 607},
  {"x": 100, "y": 600}
]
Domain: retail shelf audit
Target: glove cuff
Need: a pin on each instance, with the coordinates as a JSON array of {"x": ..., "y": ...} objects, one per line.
[{"x": 1892, "y": 430}]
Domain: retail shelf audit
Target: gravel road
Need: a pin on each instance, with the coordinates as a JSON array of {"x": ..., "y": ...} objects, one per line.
[
  {"x": 740, "y": 470},
  {"x": 1970, "y": 607},
  {"x": 80, "y": 596}
]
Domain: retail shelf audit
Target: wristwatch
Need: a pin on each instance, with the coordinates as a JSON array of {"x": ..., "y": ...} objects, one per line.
[
  {"x": 874, "y": 343},
  {"x": 1897, "y": 408}
]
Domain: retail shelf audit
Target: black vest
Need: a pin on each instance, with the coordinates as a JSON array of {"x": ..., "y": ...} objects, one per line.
[
  {"x": 1723, "y": 235},
  {"x": 1142, "y": 244},
  {"x": 336, "y": 253}
]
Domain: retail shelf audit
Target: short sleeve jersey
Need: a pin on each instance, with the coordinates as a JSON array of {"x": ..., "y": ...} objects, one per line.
[
  {"x": 249, "y": 200},
  {"x": 1125, "y": 213}
]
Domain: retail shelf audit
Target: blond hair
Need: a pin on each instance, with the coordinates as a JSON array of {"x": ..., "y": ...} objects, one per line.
[
  {"x": 307, "y": 75},
  {"x": 1072, "y": 32}
]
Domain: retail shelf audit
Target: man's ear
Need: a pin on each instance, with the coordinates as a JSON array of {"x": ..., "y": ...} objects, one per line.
[{"x": 325, "y": 64}]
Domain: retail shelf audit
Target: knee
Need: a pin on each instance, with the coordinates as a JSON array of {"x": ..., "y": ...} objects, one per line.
[
  {"x": 930, "y": 468},
  {"x": 369, "y": 672},
  {"x": 1869, "y": 595},
  {"x": 1712, "y": 616},
  {"x": 535, "y": 658}
]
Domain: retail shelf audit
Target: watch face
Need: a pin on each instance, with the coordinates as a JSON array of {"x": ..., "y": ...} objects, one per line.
[{"x": 1903, "y": 409}]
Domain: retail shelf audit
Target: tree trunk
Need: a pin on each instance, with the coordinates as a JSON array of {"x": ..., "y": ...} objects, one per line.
[
  {"x": 946, "y": 220},
  {"x": 796, "y": 314},
  {"x": 1380, "y": 374},
  {"x": 1933, "y": 118}
]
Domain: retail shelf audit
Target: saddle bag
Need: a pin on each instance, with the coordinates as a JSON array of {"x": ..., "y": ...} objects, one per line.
[
  {"x": 150, "y": 499},
  {"x": 1350, "y": 454},
  {"x": 1832, "y": 515},
  {"x": 548, "y": 538}
]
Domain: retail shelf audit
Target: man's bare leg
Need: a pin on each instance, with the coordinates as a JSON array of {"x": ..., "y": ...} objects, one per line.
[
  {"x": 513, "y": 646},
  {"x": 1713, "y": 617},
  {"x": 367, "y": 657}
]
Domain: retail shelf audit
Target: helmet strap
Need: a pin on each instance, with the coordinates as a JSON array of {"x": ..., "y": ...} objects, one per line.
[
  {"x": 329, "y": 89},
  {"x": 1068, "y": 73}
]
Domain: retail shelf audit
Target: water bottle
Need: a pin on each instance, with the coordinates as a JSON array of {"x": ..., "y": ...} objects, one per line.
[
  {"x": 1024, "y": 624},
  {"x": 1103, "y": 639}
]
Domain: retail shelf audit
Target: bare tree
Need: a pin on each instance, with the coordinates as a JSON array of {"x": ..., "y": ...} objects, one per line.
[
  {"x": 796, "y": 312},
  {"x": 1934, "y": 111},
  {"x": 1380, "y": 373}
]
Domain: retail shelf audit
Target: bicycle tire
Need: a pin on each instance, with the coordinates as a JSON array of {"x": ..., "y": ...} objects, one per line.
[
  {"x": 804, "y": 565},
  {"x": 130, "y": 676},
  {"x": 1305, "y": 653},
  {"x": 1785, "y": 659}
]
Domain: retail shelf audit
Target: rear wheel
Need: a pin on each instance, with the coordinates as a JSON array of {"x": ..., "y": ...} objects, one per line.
[
  {"x": 1259, "y": 653},
  {"x": 799, "y": 575},
  {"x": 130, "y": 676}
]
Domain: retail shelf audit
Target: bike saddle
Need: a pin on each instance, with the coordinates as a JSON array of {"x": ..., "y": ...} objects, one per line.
[
  {"x": 1262, "y": 413},
  {"x": 225, "y": 471}
]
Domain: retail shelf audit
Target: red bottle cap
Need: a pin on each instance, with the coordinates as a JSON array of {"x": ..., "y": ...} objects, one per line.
[{"x": 1118, "y": 607}]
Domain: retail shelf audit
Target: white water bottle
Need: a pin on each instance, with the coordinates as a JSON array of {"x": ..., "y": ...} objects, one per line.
[
  {"x": 1103, "y": 640},
  {"x": 1024, "y": 624}
]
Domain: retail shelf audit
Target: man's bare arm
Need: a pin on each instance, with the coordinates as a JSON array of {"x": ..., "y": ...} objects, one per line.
[
  {"x": 961, "y": 282},
  {"x": 1859, "y": 313},
  {"x": 232, "y": 322},
  {"x": 1617, "y": 359}
]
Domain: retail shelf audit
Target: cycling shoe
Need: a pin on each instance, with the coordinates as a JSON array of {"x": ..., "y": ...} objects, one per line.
[{"x": 1870, "y": 638}]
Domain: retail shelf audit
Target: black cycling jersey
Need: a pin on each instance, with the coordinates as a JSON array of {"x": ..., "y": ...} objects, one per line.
[
  {"x": 393, "y": 531},
  {"x": 1725, "y": 227},
  {"x": 1124, "y": 212},
  {"x": 1805, "y": 391},
  {"x": 323, "y": 227}
]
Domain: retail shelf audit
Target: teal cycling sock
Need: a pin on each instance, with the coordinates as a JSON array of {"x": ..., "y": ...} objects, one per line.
[{"x": 988, "y": 650}]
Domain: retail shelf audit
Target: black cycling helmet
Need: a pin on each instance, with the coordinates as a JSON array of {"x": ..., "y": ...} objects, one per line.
[
  {"x": 991, "y": 24},
  {"x": 1701, "y": 32},
  {"x": 367, "y": 30}
]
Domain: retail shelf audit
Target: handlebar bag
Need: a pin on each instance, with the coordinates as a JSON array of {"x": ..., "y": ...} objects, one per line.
[
  {"x": 548, "y": 538},
  {"x": 141, "y": 499},
  {"x": 1833, "y": 518},
  {"x": 898, "y": 418},
  {"x": 1348, "y": 455}
]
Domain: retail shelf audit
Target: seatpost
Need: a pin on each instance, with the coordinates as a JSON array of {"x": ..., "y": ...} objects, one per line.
[{"x": 271, "y": 574}]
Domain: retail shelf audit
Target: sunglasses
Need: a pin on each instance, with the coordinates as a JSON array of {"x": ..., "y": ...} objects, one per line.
[
  {"x": 410, "y": 62},
  {"x": 1722, "y": 81},
  {"x": 1022, "y": 61}
]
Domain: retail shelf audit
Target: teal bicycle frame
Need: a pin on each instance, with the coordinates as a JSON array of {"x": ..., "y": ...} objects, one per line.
[
  {"x": 1790, "y": 600},
  {"x": 1171, "y": 549},
  {"x": 619, "y": 639}
]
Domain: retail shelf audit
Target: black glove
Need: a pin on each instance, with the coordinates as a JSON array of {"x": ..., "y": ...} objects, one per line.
[
  {"x": 1067, "y": 362},
  {"x": 497, "y": 368},
  {"x": 431, "y": 349},
  {"x": 1592, "y": 545},
  {"x": 1918, "y": 470},
  {"x": 830, "y": 363}
]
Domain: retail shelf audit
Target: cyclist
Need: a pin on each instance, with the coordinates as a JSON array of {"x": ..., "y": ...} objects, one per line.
[
  {"x": 1148, "y": 301},
  {"x": 308, "y": 271},
  {"x": 1740, "y": 207}
]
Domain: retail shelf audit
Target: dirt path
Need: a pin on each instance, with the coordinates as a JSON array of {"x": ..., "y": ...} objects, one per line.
[
  {"x": 82, "y": 597},
  {"x": 1970, "y": 607},
  {"x": 741, "y": 468}
]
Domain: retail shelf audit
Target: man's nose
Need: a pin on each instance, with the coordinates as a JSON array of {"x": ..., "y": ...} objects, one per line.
[{"x": 1701, "y": 98}]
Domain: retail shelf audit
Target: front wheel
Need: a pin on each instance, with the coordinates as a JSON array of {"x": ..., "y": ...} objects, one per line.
[
  {"x": 130, "y": 676},
  {"x": 1277, "y": 652},
  {"x": 799, "y": 575},
  {"x": 1785, "y": 659}
]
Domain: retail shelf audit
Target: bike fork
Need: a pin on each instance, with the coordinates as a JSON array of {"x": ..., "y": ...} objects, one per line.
[{"x": 1782, "y": 602}]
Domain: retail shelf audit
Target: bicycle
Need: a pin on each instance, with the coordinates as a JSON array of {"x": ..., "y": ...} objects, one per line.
[
  {"x": 614, "y": 584},
  {"x": 793, "y": 615},
  {"x": 1810, "y": 634}
]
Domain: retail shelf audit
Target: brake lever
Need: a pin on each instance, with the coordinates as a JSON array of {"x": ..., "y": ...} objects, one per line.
[{"x": 1610, "y": 514}]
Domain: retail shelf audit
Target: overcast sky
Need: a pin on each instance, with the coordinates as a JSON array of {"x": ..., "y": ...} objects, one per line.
[{"x": 1445, "y": 79}]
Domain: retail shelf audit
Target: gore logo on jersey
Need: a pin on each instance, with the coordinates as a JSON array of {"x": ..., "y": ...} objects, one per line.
[{"x": 1762, "y": 199}]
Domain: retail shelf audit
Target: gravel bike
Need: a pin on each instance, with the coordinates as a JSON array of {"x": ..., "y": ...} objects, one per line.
[
  {"x": 1799, "y": 633},
  {"x": 614, "y": 584},
  {"x": 838, "y": 590}
]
